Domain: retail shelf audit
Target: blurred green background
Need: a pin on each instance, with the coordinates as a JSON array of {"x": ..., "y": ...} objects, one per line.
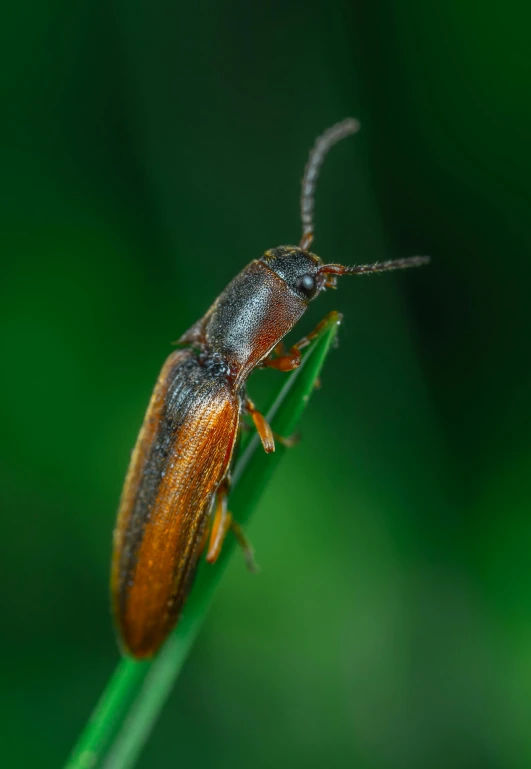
[{"x": 148, "y": 151}]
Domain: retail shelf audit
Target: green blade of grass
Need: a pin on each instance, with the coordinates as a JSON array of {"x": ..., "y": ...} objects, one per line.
[{"x": 130, "y": 705}]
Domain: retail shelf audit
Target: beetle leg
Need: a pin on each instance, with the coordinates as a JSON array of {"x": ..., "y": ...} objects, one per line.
[
  {"x": 245, "y": 545},
  {"x": 305, "y": 341},
  {"x": 288, "y": 441},
  {"x": 223, "y": 521},
  {"x": 220, "y": 526},
  {"x": 279, "y": 350},
  {"x": 262, "y": 427},
  {"x": 287, "y": 361},
  {"x": 282, "y": 360},
  {"x": 204, "y": 540},
  {"x": 267, "y": 436}
]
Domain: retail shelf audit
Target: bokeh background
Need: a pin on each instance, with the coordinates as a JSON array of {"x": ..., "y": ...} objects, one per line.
[{"x": 148, "y": 151}]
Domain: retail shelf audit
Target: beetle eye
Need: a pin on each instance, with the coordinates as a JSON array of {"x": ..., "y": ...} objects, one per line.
[{"x": 307, "y": 286}]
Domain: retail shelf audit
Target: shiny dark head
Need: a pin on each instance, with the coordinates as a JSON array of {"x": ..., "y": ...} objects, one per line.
[
  {"x": 298, "y": 268},
  {"x": 307, "y": 275}
]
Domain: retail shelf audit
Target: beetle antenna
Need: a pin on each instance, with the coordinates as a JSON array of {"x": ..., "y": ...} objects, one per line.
[
  {"x": 311, "y": 173},
  {"x": 367, "y": 269}
]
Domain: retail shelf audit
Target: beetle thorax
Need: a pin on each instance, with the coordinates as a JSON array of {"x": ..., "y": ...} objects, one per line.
[{"x": 256, "y": 310}]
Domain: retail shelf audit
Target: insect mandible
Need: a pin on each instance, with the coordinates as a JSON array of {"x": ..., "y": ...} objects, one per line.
[{"x": 175, "y": 492}]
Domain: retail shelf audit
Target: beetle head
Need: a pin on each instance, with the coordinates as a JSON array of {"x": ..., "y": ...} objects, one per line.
[
  {"x": 304, "y": 272},
  {"x": 307, "y": 275},
  {"x": 299, "y": 268}
]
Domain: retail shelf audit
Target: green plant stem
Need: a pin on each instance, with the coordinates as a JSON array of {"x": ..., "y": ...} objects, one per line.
[{"x": 130, "y": 704}]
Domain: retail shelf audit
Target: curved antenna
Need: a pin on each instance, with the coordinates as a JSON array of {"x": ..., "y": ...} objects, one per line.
[{"x": 311, "y": 172}]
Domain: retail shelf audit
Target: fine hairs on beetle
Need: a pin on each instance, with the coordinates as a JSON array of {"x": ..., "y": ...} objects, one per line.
[{"x": 174, "y": 500}]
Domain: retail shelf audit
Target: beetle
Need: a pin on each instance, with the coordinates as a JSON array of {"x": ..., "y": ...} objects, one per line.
[{"x": 175, "y": 492}]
